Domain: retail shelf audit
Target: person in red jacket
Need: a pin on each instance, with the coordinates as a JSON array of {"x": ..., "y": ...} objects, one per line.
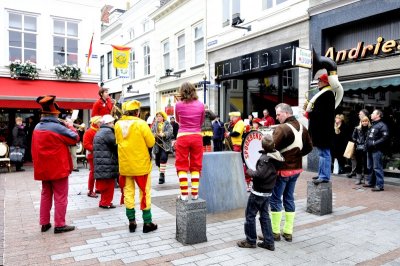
[
  {"x": 267, "y": 120},
  {"x": 104, "y": 105},
  {"x": 52, "y": 163},
  {"x": 95, "y": 123}
]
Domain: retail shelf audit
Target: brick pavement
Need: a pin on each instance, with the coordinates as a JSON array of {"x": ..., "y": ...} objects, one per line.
[{"x": 363, "y": 229}]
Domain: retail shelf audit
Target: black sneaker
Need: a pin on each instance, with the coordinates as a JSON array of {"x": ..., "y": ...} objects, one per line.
[
  {"x": 149, "y": 227},
  {"x": 315, "y": 177},
  {"x": 287, "y": 237},
  {"x": 266, "y": 246},
  {"x": 63, "y": 229},
  {"x": 161, "y": 180},
  {"x": 45, "y": 227},
  {"x": 319, "y": 181}
]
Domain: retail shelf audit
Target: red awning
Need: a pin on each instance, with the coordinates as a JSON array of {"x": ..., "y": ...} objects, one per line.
[{"x": 15, "y": 93}]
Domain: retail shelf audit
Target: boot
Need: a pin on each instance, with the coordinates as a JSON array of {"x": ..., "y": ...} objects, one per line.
[
  {"x": 359, "y": 178},
  {"x": 288, "y": 227},
  {"x": 161, "y": 180},
  {"x": 276, "y": 218}
]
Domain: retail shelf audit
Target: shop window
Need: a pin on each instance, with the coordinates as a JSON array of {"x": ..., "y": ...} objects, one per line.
[
  {"x": 22, "y": 31},
  {"x": 371, "y": 95},
  {"x": 65, "y": 42},
  {"x": 382, "y": 96}
]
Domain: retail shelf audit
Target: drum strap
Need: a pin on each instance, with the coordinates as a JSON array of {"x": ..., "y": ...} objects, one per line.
[{"x": 298, "y": 139}]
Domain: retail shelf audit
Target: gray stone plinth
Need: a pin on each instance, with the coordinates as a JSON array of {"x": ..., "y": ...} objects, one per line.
[
  {"x": 319, "y": 198},
  {"x": 191, "y": 221},
  {"x": 222, "y": 182},
  {"x": 313, "y": 160}
]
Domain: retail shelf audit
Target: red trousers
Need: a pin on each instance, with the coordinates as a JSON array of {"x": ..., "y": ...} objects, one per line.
[
  {"x": 91, "y": 175},
  {"x": 59, "y": 190},
  {"x": 106, "y": 188},
  {"x": 189, "y": 153}
]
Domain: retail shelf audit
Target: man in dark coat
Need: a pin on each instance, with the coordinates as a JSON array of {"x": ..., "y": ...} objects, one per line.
[
  {"x": 377, "y": 139},
  {"x": 105, "y": 158},
  {"x": 321, "y": 129},
  {"x": 218, "y": 133}
]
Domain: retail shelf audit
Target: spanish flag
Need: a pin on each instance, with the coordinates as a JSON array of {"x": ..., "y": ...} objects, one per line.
[
  {"x": 89, "y": 55},
  {"x": 121, "y": 56}
]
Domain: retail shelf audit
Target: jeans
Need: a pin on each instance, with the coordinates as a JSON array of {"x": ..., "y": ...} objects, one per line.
[
  {"x": 375, "y": 168},
  {"x": 284, "y": 187},
  {"x": 324, "y": 166},
  {"x": 257, "y": 204}
]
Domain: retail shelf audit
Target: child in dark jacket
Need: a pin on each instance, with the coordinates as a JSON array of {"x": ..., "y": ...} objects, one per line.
[{"x": 264, "y": 178}]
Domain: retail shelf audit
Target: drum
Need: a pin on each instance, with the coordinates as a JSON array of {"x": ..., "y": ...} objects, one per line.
[{"x": 251, "y": 146}]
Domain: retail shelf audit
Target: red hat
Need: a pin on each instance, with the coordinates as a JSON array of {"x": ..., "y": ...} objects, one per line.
[
  {"x": 257, "y": 120},
  {"x": 324, "y": 78},
  {"x": 48, "y": 104}
]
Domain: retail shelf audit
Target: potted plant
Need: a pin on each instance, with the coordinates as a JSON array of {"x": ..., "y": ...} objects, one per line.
[
  {"x": 21, "y": 70},
  {"x": 64, "y": 71}
]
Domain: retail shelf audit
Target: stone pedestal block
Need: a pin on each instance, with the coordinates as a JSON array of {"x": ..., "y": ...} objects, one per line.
[
  {"x": 222, "y": 183},
  {"x": 191, "y": 221},
  {"x": 319, "y": 198}
]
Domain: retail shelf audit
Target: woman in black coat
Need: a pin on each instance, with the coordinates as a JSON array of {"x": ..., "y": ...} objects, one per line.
[
  {"x": 340, "y": 139},
  {"x": 359, "y": 137},
  {"x": 105, "y": 158},
  {"x": 19, "y": 141}
]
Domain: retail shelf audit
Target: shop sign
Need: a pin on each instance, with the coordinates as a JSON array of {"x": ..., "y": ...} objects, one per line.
[
  {"x": 302, "y": 57},
  {"x": 362, "y": 52}
]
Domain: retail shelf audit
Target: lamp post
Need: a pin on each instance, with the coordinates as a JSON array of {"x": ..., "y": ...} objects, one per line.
[{"x": 205, "y": 87}]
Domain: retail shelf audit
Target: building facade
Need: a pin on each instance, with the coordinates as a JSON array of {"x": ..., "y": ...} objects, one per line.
[
  {"x": 250, "y": 48},
  {"x": 363, "y": 37},
  {"x": 47, "y": 34}
]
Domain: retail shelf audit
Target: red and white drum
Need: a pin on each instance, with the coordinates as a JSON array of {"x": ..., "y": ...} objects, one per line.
[{"x": 252, "y": 145}]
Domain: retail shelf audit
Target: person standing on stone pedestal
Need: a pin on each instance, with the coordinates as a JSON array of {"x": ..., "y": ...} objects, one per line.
[
  {"x": 134, "y": 139},
  {"x": 293, "y": 142},
  {"x": 320, "y": 127},
  {"x": 190, "y": 114},
  {"x": 264, "y": 178}
]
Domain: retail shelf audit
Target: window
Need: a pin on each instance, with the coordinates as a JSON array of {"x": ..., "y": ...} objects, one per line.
[
  {"x": 146, "y": 57},
  {"x": 181, "y": 52},
  {"x": 132, "y": 63},
  {"x": 65, "y": 42},
  {"x": 131, "y": 33},
  {"x": 102, "y": 78},
  {"x": 146, "y": 25},
  {"x": 198, "y": 45},
  {"x": 229, "y": 8},
  {"x": 266, "y": 4},
  {"x": 166, "y": 54},
  {"x": 22, "y": 37},
  {"x": 109, "y": 65}
]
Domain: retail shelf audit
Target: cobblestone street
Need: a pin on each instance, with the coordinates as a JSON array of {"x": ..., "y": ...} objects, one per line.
[{"x": 363, "y": 229}]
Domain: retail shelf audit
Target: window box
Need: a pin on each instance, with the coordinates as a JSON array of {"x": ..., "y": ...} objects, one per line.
[
  {"x": 68, "y": 72},
  {"x": 19, "y": 70}
]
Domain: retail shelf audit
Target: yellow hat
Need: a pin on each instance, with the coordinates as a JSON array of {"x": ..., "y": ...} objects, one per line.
[
  {"x": 95, "y": 119},
  {"x": 131, "y": 105},
  {"x": 164, "y": 115},
  {"x": 234, "y": 114}
]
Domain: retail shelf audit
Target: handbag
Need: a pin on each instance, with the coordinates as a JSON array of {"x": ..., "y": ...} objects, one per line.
[
  {"x": 349, "y": 151},
  {"x": 16, "y": 154}
]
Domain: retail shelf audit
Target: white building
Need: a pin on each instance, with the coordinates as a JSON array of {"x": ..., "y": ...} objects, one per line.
[
  {"x": 132, "y": 28},
  {"x": 253, "y": 63},
  {"x": 48, "y": 33},
  {"x": 180, "y": 30}
]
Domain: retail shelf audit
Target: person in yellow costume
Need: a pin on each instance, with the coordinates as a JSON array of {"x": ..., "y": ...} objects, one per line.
[
  {"x": 236, "y": 129},
  {"x": 134, "y": 139}
]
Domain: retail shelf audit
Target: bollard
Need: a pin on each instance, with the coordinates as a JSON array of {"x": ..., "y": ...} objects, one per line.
[
  {"x": 319, "y": 198},
  {"x": 191, "y": 221}
]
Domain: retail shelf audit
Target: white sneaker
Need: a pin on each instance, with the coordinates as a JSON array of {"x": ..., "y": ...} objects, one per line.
[{"x": 183, "y": 197}]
